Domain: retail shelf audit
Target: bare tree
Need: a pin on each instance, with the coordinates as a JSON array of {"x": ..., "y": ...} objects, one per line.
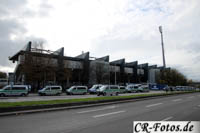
[
  {"x": 171, "y": 77},
  {"x": 99, "y": 72},
  {"x": 3, "y": 75},
  {"x": 38, "y": 69}
]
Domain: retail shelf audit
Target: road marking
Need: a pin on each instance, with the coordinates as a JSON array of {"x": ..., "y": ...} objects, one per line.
[
  {"x": 191, "y": 97},
  {"x": 87, "y": 111},
  {"x": 112, "y": 113},
  {"x": 176, "y": 100},
  {"x": 151, "y": 105},
  {"x": 168, "y": 118}
]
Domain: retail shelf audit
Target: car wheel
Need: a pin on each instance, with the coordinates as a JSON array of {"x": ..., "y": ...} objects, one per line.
[
  {"x": 23, "y": 94},
  {"x": 117, "y": 94},
  {"x": 2, "y": 95}
]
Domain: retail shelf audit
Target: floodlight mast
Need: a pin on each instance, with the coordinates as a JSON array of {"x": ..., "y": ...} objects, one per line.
[{"x": 163, "y": 51}]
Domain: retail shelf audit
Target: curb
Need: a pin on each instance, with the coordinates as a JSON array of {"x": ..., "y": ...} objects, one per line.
[{"x": 57, "y": 107}]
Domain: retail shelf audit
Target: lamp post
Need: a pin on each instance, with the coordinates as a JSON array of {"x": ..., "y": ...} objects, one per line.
[
  {"x": 163, "y": 51},
  {"x": 115, "y": 75}
]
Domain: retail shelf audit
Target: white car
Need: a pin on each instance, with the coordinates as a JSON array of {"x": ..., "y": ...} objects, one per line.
[
  {"x": 50, "y": 90},
  {"x": 14, "y": 90},
  {"x": 94, "y": 88}
]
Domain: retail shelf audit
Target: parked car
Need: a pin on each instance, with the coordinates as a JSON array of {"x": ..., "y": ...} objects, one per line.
[
  {"x": 108, "y": 90},
  {"x": 94, "y": 88},
  {"x": 137, "y": 88},
  {"x": 179, "y": 88},
  {"x": 129, "y": 88},
  {"x": 50, "y": 90},
  {"x": 144, "y": 88},
  {"x": 132, "y": 88},
  {"x": 77, "y": 90},
  {"x": 122, "y": 89},
  {"x": 14, "y": 90}
]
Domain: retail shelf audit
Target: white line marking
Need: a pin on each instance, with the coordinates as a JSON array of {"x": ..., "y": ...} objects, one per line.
[
  {"x": 112, "y": 113},
  {"x": 151, "y": 105},
  {"x": 168, "y": 118},
  {"x": 87, "y": 111},
  {"x": 191, "y": 97},
  {"x": 175, "y": 100}
]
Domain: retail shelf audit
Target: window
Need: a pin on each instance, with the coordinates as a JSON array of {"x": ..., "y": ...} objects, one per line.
[
  {"x": 18, "y": 88},
  {"x": 3, "y": 80},
  {"x": 98, "y": 87},
  {"x": 47, "y": 89},
  {"x": 131, "y": 87},
  {"x": 113, "y": 87},
  {"x": 122, "y": 88},
  {"x": 107, "y": 87},
  {"x": 135, "y": 87},
  {"x": 7, "y": 88},
  {"x": 55, "y": 88},
  {"x": 81, "y": 88}
]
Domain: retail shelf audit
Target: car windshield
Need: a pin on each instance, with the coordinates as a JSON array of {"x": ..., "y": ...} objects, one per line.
[
  {"x": 3, "y": 87},
  {"x": 94, "y": 87},
  {"x": 102, "y": 88},
  {"x": 71, "y": 88},
  {"x": 46, "y": 88}
]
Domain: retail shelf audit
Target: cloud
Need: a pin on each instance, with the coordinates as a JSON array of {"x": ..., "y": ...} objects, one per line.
[
  {"x": 119, "y": 28},
  {"x": 135, "y": 34},
  {"x": 13, "y": 30}
]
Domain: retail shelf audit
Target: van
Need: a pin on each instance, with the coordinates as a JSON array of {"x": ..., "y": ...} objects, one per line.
[
  {"x": 179, "y": 88},
  {"x": 94, "y": 88},
  {"x": 137, "y": 88},
  {"x": 144, "y": 88},
  {"x": 108, "y": 90},
  {"x": 77, "y": 90},
  {"x": 50, "y": 90},
  {"x": 132, "y": 88},
  {"x": 122, "y": 89},
  {"x": 14, "y": 90}
]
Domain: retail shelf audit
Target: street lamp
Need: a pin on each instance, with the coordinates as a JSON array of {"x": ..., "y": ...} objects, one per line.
[
  {"x": 163, "y": 51},
  {"x": 115, "y": 75}
]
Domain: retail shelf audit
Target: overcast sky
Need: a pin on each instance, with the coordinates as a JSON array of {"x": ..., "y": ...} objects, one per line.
[{"x": 119, "y": 28}]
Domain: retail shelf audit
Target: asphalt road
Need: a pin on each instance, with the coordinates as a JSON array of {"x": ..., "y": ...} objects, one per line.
[
  {"x": 116, "y": 118},
  {"x": 36, "y": 97}
]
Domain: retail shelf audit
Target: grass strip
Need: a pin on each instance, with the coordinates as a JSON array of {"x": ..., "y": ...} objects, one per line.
[{"x": 78, "y": 100}]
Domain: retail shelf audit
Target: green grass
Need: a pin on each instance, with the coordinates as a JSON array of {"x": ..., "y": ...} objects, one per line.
[{"x": 63, "y": 101}]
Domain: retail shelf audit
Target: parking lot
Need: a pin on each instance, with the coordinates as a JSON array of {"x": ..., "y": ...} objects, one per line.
[{"x": 36, "y": 97}]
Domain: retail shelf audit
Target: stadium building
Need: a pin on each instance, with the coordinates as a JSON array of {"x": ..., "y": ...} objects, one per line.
[{"x": 39, "y": 67}]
